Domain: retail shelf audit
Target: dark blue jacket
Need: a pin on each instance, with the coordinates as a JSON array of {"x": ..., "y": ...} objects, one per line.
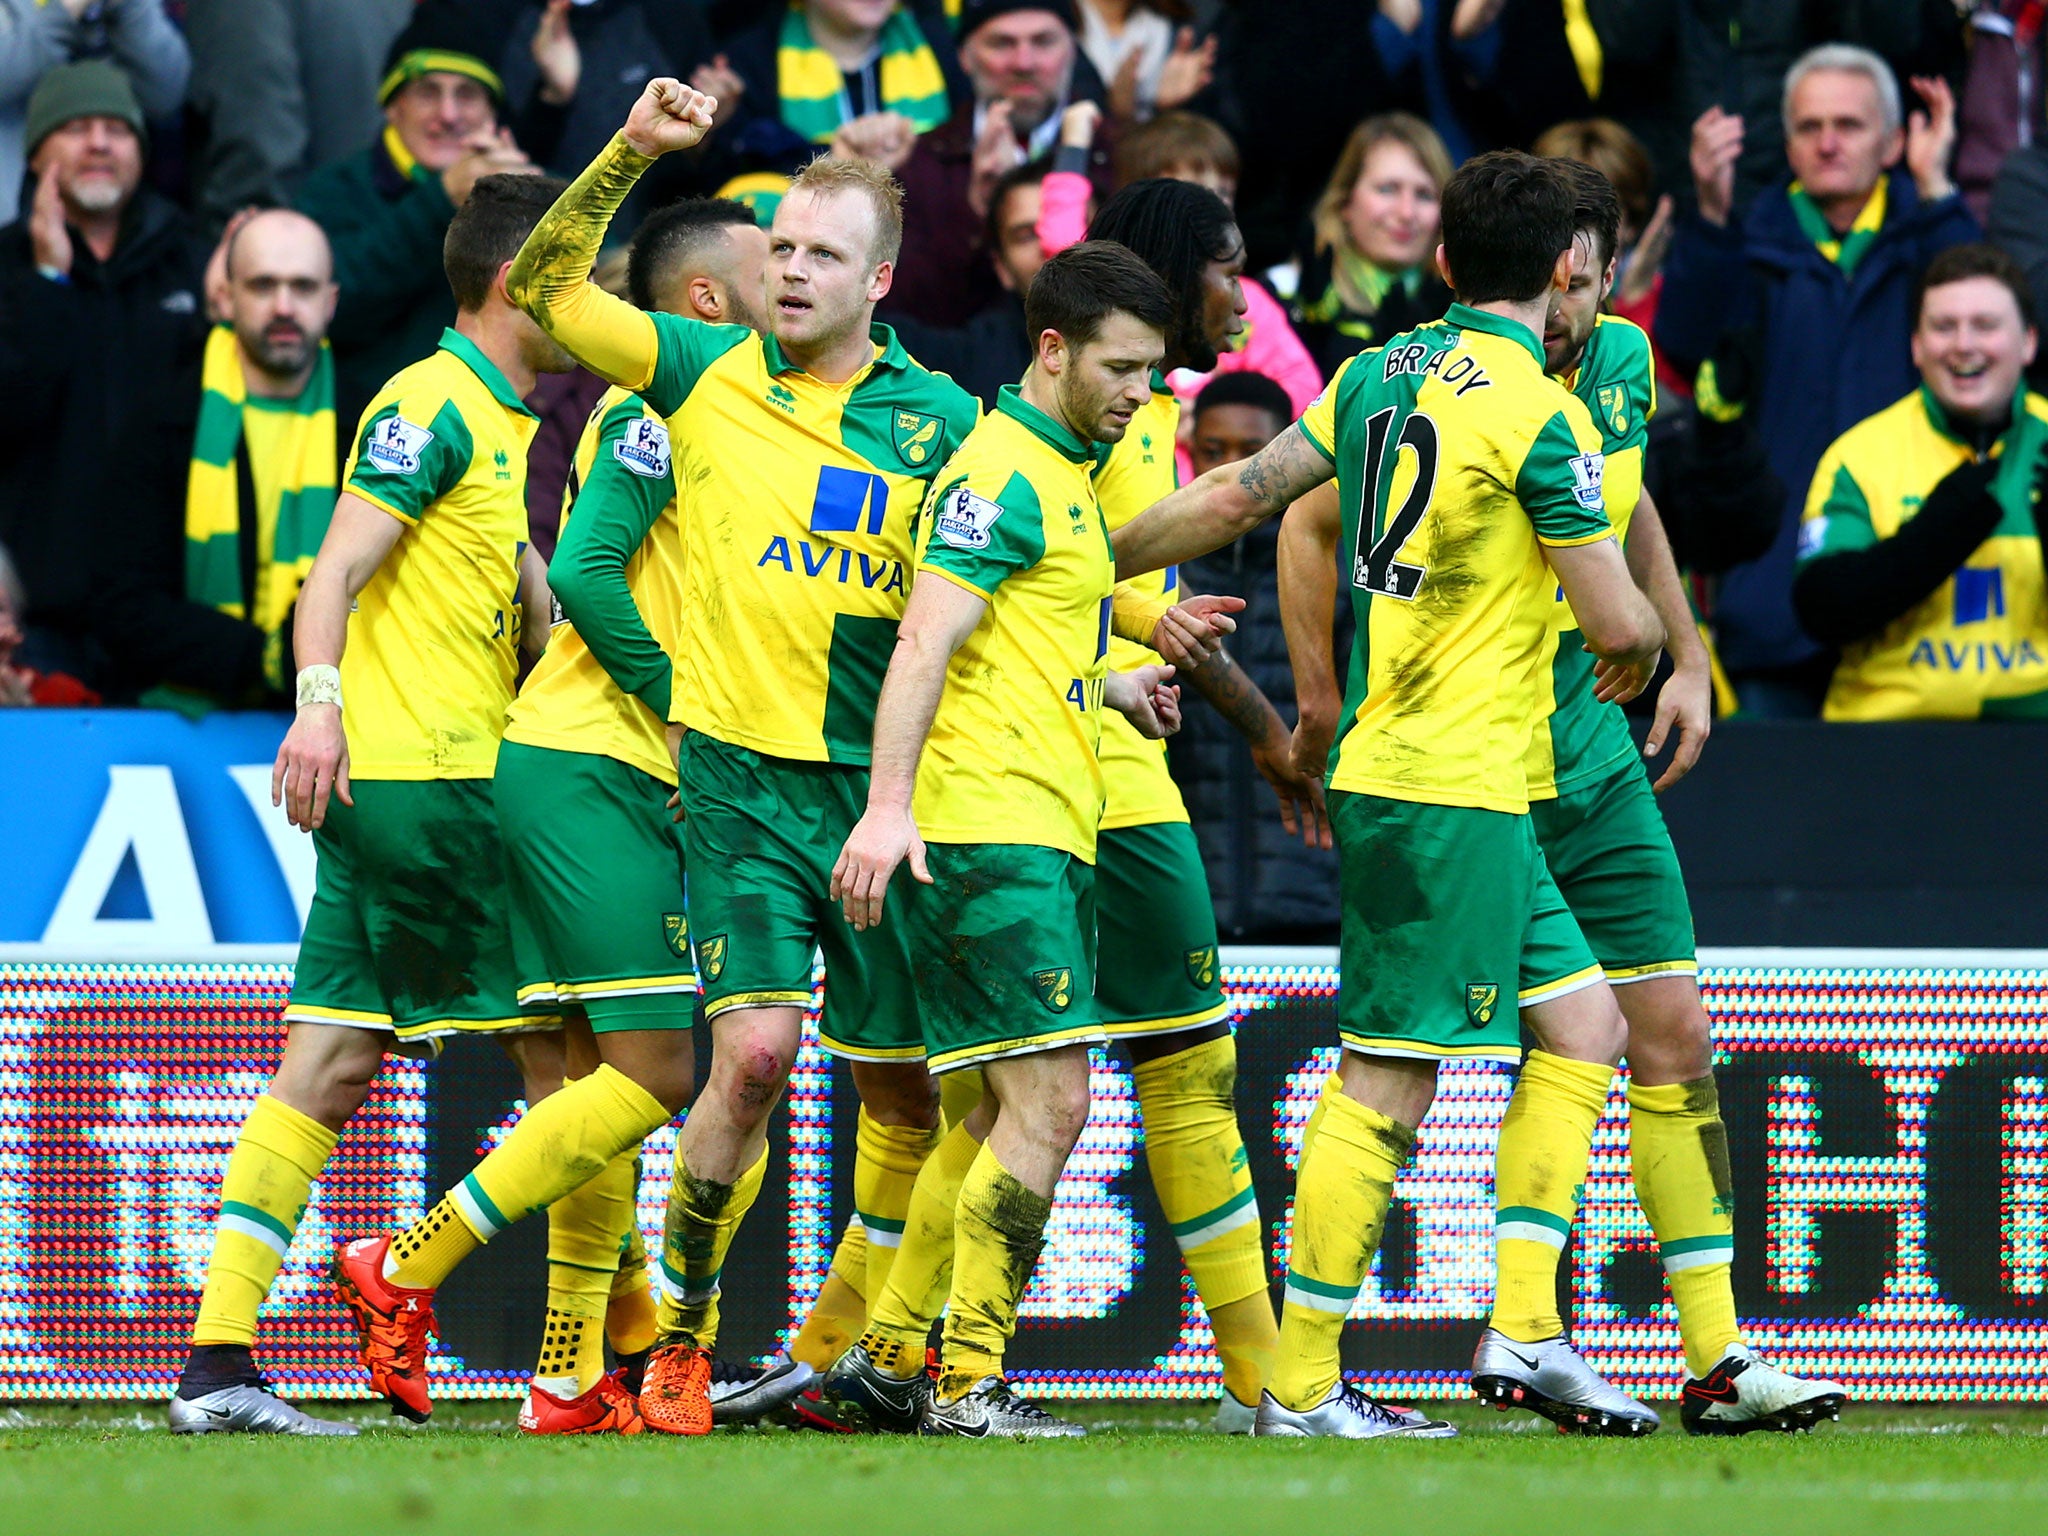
[{"x": 1833, "y": 351}]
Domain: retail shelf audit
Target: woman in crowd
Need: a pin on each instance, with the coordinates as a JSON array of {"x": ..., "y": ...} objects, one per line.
[{"x": 1370, "y": 268}]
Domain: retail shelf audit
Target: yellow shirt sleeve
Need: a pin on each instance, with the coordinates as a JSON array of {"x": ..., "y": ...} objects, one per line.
[
  {"x": 550, "y": 278},
  {"x": 1319, "y": 421}
]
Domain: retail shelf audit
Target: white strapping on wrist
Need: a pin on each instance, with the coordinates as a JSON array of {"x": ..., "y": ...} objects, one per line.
[{"x": 319, "y": 684}]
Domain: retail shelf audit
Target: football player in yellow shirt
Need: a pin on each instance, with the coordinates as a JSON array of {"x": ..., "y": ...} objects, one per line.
[
  {"x": 1470, "y": 485},
  {"x": 407, "y": 941},
  {"x": 986, "y": 780},
  {"x": 801, "y": 457}
]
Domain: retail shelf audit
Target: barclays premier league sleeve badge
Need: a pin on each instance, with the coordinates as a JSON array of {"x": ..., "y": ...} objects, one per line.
[
  {"x": 965, "y": 519},
  {"x": 395, "y": 446},
  {"x": 1588, "y": 469},
  {"x": 644, "y": 449}
]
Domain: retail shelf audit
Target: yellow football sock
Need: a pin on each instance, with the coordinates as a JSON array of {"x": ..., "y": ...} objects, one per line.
[
  {"x": 901, "y": 1318},
  {"x": 702, "y": 1220},
  {"x": 1678, "y": 1148},
  {"x": 629, "y": 1310},
  {"x": 959, "y": 1093},
  {"x": 276, "y": 1158},
  {"x": 1199, "y": 1168},
  {"x": 567, "y": 1139},
  {"x": 1546, "y": 1139},
  {"x": 839, "y": 1312},
  {"x": 1341, "y": 1194},
  {"x": 583, "y": 1260},
  {"x": 999, "y": 1228},
  {"x": 885, "y": 1164}
]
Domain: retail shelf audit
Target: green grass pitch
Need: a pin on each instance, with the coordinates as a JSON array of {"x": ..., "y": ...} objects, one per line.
[{"x": 1144, "y": 1469}]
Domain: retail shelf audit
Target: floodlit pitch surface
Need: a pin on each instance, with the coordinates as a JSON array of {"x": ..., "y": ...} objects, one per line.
[{"x": 1145, "y": 1469}]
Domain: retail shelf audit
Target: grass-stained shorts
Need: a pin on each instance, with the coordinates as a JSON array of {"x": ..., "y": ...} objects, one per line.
[
  {"x": 595, "y": 867},
  {"x": 1449, "y": 914},
  {"x": 1611, "y": 856},
  {"x": 409, "y": 930},
  {"x": 1155, "y": 932},
  {"x": 1003, "y": 940},
  {"x": 760, "y": 837}
]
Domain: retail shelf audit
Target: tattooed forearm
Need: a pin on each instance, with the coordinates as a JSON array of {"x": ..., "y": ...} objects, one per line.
[
  {"x": 1285, "y": 468},
  {"x": 1237, "y": 698}
]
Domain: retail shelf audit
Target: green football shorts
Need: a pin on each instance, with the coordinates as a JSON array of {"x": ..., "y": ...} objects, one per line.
[
  {"x": 595, "y": 867},
  {"x": 1004, "y": 945},
  {"x": 409, "y": 929},
  {"x": 1444, "y": 907},
  {"x": 1155, "y": 933},
  {"x": 760, "y": 837},
  {"x": 1611, "y": 856}
]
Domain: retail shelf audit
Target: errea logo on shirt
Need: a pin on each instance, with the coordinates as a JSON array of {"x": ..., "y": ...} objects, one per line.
[
  {"x": 783, "y": 396},
  {"x": 964, "y": 519},
  {"x": 395, "y": 445},
  {"x": 1587, "y": 471}
]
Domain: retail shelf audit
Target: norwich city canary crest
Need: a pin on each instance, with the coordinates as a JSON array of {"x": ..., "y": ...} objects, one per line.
[
  {"x": 1202, "y": 965},
  {"x": 1614, "y": 406},
  {"x": 676, "y": 929},
  {"x": 1481, "y": 999},
  {"x": 917, "y": 437},
  {"x": 1055, "y": 987},
  {"x": 711, "y": 956}
]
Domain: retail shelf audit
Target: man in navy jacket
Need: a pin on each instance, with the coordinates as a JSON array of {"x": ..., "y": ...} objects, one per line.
[{"x": 1813, "y": 287}]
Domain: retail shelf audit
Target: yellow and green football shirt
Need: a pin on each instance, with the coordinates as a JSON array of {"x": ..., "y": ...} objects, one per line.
[
  {"x": 799, "y": 498},
  {"x": 1582, "y": 739},
  {"x": 621, "y": 559},
  {"x": 1012, "y": 753},
  {"x": 1457, "y": 458},
  {"x": 433, "y": 643},
  {"x": 1975, "y": 646},
  {"x": 1138, "y": 471}
]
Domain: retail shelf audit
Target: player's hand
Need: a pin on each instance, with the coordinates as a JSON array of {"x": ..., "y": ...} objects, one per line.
[
  {"x": 556, "y": 55},
  {"x": 1931, "y": 138},
  {"x": 880, "y": 841},
  {"x": 311, "y": 765},
  {"x": 1190, "y": 632},
  {"x": 669, "y": 116},
  {"x": 1315, "y": 732},
  {"x": 1616, "y": 682},
  {"x": 1716, "y": 147},
  {"x": 1146, "y": 697},
  {"x": 1302, "y": 810},
  {"x": 48, "y": 237},
  {"x": 1686, "y": 701}
]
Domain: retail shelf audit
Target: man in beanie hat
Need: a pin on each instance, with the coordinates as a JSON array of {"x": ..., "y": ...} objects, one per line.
[
  {"x": 1025, "y": 68},
  {"x": 386, "y": 208},
  {"x": 100, "y": 306},
  {"x": 38, "y": 35}
]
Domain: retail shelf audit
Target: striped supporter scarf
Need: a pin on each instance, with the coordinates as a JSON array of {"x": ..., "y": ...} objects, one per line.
[
  {"x": 293, "y": 441},
  {"x": 813, "y": 89}
]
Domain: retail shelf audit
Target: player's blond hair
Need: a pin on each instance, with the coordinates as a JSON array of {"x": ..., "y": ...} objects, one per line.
[
  {"x": 1383, "y": 128},
  {"x": 834, "y": 173}
]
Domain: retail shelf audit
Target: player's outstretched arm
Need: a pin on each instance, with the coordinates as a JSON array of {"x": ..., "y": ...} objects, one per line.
[
  {"x": 1230, "y": 500},
  {"x": 1618, "y": 622},
  {"x": 1307, "y": 567},
  {"x": 1147, "y": 698},
  {"x": 550, "y": 277},
  {"x": 1686, "y": 701},
  {"x": 312, "y": 764},
  {"x": 937, "y": 620}
]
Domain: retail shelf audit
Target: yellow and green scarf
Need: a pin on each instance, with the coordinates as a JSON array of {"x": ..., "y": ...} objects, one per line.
[
  {"x": 1845, "y": 250},
  {"x": 813, "y": 89},
  {"x": 293, "y": 441}
]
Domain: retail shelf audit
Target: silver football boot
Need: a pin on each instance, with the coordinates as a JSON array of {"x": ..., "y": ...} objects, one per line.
[
  {"x": 248, "y": 1409},
  {"x": 1552, "y": 1379},
  {"x": 1348, "y": 1414},
  {"x": 989, "y": 1409},
  {"x": 869, "y": 1398}
]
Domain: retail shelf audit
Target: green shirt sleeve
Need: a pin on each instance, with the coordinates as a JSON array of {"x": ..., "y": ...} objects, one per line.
[
  {"x": 684, "y": 348},
  {"x": 980, "y": 540},
  {"x": 631, "y": 480},
  {"x": 1559, "y": 483},
  {"x": 404, "y": 466},
  {"x": 1837, "y": 515}
]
